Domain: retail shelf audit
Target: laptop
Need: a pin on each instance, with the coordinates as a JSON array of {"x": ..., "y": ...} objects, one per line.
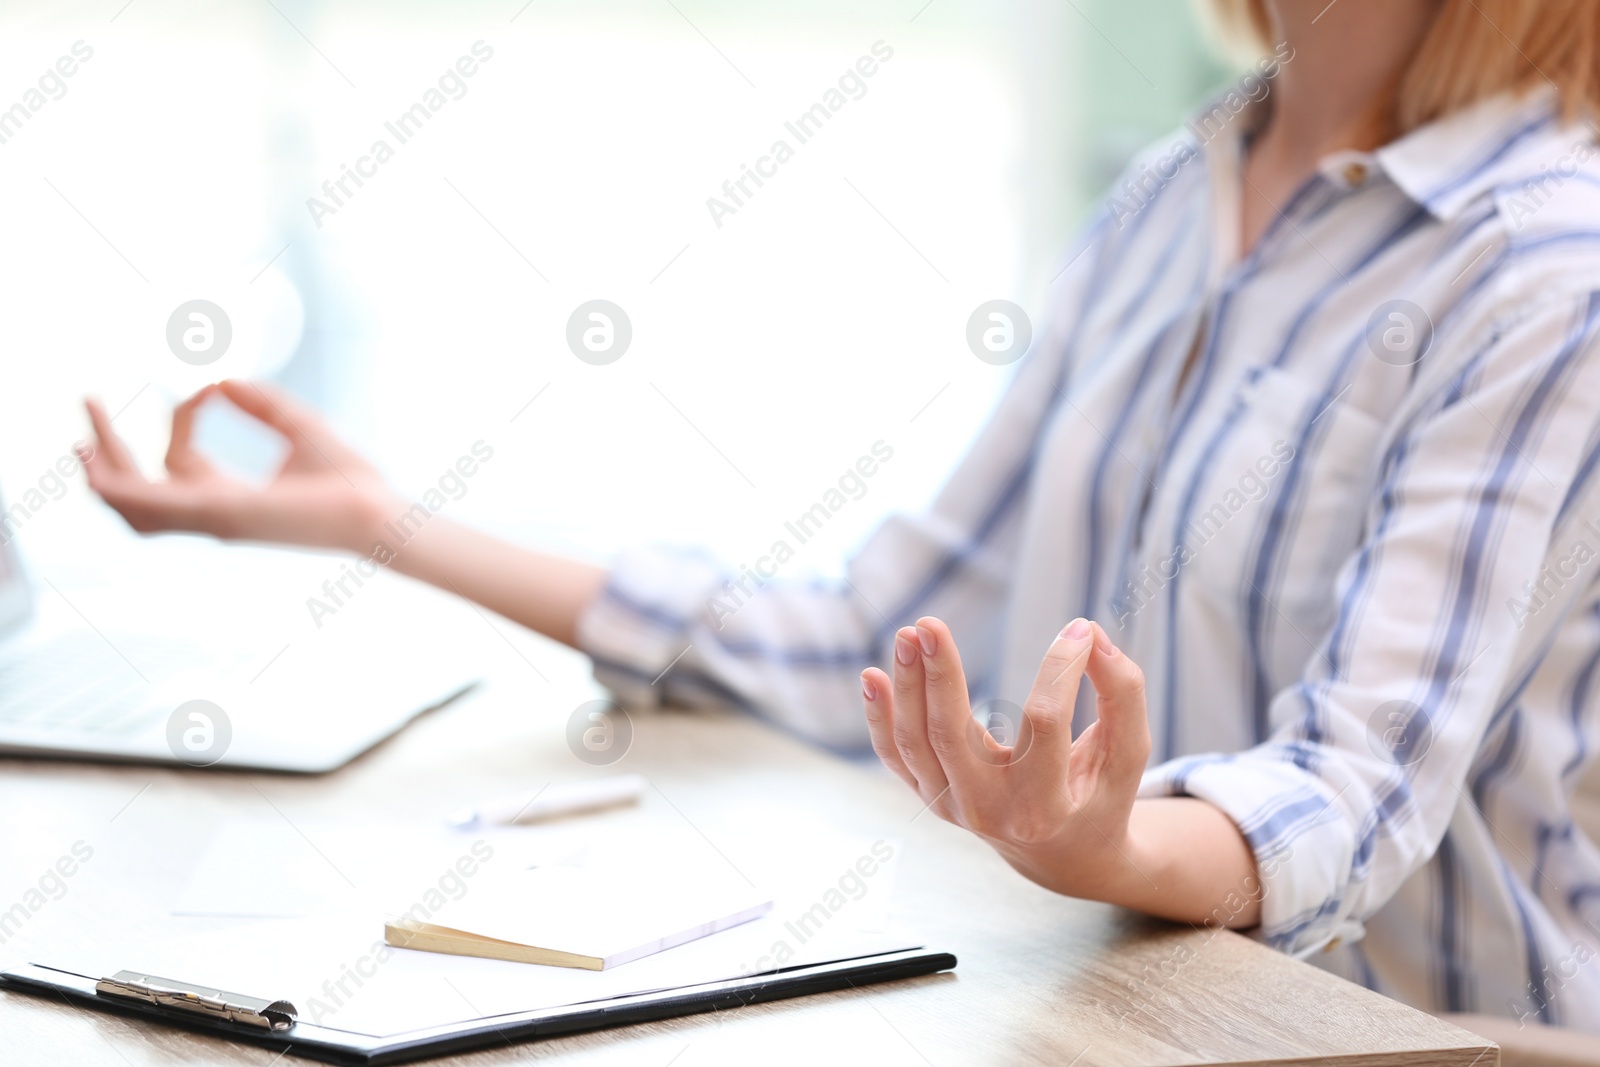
[{"x": 165, "y": 662}]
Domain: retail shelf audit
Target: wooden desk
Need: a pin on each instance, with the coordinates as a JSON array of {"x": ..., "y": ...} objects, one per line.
[{"x": 1042, "y": 979}]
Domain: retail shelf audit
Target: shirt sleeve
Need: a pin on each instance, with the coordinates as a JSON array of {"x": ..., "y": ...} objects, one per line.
[
  {"x": 1371, "y": 749},
  {"x": 672, "y": 625}
]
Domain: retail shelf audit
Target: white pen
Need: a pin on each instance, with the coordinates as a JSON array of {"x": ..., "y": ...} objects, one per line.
[{"x": 553, "y": 801}]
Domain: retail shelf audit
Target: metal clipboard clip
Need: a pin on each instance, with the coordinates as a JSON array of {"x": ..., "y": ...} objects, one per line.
[{"x": 209, "y": 1001}]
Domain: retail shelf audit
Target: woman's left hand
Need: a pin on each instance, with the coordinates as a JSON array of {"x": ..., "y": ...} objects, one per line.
[{"x": 1057, "y": 809}]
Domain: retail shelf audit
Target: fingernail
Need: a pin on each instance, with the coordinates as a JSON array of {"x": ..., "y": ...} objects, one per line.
[
  {"x": 1077, "y": 629},
  {"x": 929, "y": 643},
  {"x": 904, "y": 651},
  {"x": 868, "y": 690},
  {"x": 1102, "y": 641}
]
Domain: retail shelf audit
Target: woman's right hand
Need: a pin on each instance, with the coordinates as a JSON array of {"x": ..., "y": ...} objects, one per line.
[{"x": 324, "y": 494}]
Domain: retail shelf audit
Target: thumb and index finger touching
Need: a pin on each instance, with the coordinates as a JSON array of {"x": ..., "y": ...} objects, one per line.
[{"x": 1084, "y": 650}]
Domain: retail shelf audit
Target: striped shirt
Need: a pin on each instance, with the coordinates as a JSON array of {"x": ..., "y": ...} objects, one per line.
[{"x": 1354, "y": 546}]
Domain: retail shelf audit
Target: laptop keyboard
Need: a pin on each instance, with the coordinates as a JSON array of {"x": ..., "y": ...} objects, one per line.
[{"x": 87, "y": 684}]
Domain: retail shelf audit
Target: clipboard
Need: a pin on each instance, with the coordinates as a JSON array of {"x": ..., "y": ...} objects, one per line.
[{"x": 274, "y": 1025}]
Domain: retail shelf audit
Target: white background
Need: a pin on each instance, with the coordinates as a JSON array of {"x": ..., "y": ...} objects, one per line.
[{"x": 827, "y": 314}]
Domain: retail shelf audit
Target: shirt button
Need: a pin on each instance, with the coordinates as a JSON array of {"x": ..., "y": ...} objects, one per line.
[{"x": 1355, "y": 173}]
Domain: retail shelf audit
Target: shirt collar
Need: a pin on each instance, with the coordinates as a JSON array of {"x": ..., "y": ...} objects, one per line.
[{"x": 1449, "y": 163}]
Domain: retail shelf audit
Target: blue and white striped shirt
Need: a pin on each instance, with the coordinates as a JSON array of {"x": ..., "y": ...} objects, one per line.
[{"x": 1354, "y": 548}]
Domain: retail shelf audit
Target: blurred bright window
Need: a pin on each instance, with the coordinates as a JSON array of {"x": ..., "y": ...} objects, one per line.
[{"x": 537, "y": 156}]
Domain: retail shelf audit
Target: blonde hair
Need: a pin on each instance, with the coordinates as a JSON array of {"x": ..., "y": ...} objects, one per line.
[{"x": 1474, "y": 50}]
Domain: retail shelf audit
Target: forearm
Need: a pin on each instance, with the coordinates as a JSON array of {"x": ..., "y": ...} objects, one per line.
[
  {"x": 544, "y": 592},
  {"x": 1181, "y": 859}
]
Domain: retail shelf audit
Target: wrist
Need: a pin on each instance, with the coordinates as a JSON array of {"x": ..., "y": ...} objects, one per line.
[{"x": 372, "y": 509}]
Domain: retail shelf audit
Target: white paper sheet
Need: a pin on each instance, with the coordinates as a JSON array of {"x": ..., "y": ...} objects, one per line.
[{"x": 270, "y": 868}]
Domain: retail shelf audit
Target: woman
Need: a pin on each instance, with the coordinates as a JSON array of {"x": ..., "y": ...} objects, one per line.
[{"x": 1313, "y": 435}]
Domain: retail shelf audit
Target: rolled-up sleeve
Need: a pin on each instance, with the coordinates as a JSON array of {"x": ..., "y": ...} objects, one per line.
[{"x": 1371, "y": 749}]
